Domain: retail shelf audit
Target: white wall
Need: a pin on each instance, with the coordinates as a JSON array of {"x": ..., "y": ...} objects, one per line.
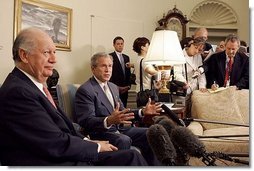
[{"x": 73, "y": 66}]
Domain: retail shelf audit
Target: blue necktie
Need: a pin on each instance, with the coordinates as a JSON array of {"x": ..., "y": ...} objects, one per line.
[{"x": 122, "y": 62}]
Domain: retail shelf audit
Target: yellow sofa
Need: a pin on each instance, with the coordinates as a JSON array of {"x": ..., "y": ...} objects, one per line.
[
  {"x": 227, "y": 106},
  {"x": 204, "y": 106}
]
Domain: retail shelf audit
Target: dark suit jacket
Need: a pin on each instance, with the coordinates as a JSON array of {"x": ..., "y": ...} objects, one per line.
[
  {"x": 117, "y": 73},
  {"x": 216, "y": 66},
  {"x": 120, "y": 78},
  {"x": 92, "y": 106},
  {"x": 33, "y": 132}
]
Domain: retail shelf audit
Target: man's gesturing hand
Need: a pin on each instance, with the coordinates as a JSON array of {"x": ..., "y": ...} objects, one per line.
[
  {"x": 118, "y": 117},
  {"x": 152, "y": 109}
]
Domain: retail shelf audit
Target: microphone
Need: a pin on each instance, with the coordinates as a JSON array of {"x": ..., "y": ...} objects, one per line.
[
  {"x": 182, "y": 158},
  {"x": 201, "y": 69},
  {"x": 164, "y": 121},
  {"x": 196, "y": 74},
  {"x": 161, "y": 145},
  {"x": 172, "y": 115},
  {"x": 192, "y": 145}
]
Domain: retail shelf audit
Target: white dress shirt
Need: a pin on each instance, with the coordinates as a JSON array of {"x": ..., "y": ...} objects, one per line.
[{"x": 192, "y": 62}]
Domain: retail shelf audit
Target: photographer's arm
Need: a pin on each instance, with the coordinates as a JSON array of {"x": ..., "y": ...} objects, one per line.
[{"x": 150, "y": 70}]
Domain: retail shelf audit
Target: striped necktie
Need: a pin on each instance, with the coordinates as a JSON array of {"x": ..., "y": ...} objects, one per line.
[
  {"x": 49, "y": 96},
  {"x": 108, "y": 94}
]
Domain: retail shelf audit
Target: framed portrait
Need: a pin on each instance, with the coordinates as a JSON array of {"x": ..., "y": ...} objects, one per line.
[{"x": 53, "y": 19}]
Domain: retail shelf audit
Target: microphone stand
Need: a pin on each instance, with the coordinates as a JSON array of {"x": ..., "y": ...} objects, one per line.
[
  {"x": 208, "y": 159},
  {"x": 227, "y": 157},
  {"x": 222, "y": 136},
  {"x": 215, "y": 122},
  {"x": 238, "y": 154}
]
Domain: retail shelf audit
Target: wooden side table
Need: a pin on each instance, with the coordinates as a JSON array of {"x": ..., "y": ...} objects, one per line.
[
  {"x": 148, "y": 119},
  {"x": 179, "y": 111}
]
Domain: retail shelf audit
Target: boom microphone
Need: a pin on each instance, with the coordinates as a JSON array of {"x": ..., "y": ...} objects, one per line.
[
  {"x": 172, "y": 115},
  {"x": 214, "y": 122},
  {"x": 161, "y": 145},
  {"x": 164, "y": 121},
  {"x": 182, "y": 159},
  {"x": 192, "y": 145}
]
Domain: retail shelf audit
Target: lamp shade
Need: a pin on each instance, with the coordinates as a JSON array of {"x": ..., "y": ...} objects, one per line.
[{"x": 165, "y": 49}]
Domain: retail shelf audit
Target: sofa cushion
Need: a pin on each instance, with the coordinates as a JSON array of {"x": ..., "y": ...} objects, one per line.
[
  {"x": 196, "y": 128},
  {"x": 227, "y": 145},
  {"x": 242, "y": 99},
  {"x": 223, "y": 106},
  {"x": 242, "y": 132},
  {"x": 66, "y": 95}
]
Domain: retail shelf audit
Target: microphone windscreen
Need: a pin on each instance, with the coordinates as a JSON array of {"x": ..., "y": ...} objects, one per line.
[
  {"x": 167, "y": 124},
  {"x": 172, "y": 115},
  {"x": 157, "y": 119},
  {"x": 161, "y": 144},
  {"x": 188, "y": 141},
  {"x": 181, "y": 156}
]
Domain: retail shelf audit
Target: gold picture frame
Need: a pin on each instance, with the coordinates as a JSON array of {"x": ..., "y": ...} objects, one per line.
[{"x": 53, "y": 19}]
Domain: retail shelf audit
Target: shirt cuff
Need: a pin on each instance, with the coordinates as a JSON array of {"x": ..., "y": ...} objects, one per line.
[
  {"x": 201, "y": 69},
  {"x": 140, "y": 113},
  {"x": 87, "y": 139},
  {"x": 105, "y": 123},
  {"x": 99, "y": 146}
]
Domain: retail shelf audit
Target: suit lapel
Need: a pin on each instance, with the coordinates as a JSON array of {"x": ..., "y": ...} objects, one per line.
[
  {"x": 114, "y": 93},
  {"x": 68, "y": 122},
  {"x": 118, "y": 63},
  {"x": 222, "y": 64},
  {"x": 235, "y": 67},
  {"x": 116, "y": 59},
  {"x": 51, "y": 109},
  {"x": 101, "y": 95}
]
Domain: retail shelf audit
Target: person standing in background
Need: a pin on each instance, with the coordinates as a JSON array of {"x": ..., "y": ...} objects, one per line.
[
  {"x": 243, "y": 47},
  {"x": 208, "y": 49},
  {"x": 140, "y": 46},
  {"x": 121, "y": 69},
  {"x": 229, "y": 67},
  {"x": 191, "y": 49},
  {"x": 220, "y": 47}
]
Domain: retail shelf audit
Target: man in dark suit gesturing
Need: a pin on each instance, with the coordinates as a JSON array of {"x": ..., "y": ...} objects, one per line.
[
  {"x": 33, "y": 130},
  {"x": 229, "y": 67},
  {"x": 121, "y": 70},
  {"x": 100, "y": 111}
]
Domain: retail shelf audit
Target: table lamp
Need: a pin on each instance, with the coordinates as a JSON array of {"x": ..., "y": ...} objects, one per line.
[{"x": 164, "y": 52}]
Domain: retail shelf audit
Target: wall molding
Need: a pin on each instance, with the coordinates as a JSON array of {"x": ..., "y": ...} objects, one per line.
[
  {"x": 219, "y": 18},
  {"x": 213, "y": 13}
]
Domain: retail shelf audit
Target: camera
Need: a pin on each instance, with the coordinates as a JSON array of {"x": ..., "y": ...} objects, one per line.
[{"x": 176, "y": 88}]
